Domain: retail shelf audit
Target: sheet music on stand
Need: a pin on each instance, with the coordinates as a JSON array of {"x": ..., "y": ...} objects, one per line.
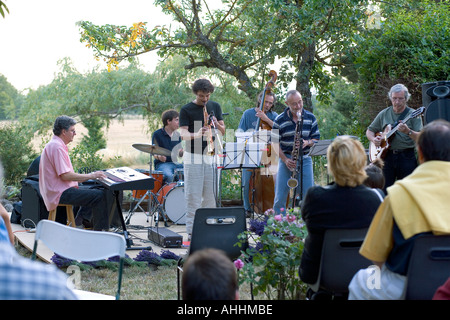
[
  {"x": 262, "y": 136},
  {"x": 243, "y": 155},
  {"x": 320, "y": 148}
]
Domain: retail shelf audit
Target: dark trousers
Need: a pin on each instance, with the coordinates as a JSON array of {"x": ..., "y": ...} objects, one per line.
[
  {"x": 398, "y": 165},
  {"x": 92, "y": 203}
]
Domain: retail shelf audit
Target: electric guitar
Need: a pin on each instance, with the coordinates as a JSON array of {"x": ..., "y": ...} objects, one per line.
[{"x": 386, "y": 137}]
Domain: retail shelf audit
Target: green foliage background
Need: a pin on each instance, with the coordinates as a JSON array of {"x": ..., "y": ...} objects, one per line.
[{"x": 410, "y": 45}]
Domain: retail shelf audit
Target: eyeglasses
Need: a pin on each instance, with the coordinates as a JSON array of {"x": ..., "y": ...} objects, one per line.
[{"x": 295, "y": 103}]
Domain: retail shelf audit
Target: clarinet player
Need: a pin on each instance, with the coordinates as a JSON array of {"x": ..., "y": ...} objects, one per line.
[
  {"x": 283, "y": 138},
  {"x": 197, "y": 158}
]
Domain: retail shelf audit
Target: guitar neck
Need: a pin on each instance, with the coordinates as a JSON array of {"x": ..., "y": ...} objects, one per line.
[
  {"x": 394, "y": 130},
  {"x": 414, "y": 114}
]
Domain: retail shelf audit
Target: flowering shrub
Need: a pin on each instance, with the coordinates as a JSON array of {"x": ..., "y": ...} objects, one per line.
[
  {"x": 271, "y": 265},
  {"x": 144, "y": 258}
]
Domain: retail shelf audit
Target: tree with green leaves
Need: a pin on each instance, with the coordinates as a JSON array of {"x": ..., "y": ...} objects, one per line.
[
  {"x": 312, "y": 37},
  {"x": 3, "y": 9},
  {"x": 10, "y": 99},
  {"x": 94, "y": 99},
  {"x": 241, "y": 39},
  {"x": 409, "y": 46},
  {"x": 16, "y": 152}
]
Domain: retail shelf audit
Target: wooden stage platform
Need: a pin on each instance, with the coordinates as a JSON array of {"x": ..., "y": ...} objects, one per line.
[{"x": 137, "y": 229}]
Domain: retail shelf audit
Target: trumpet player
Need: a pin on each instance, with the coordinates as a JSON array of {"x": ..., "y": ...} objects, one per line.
[
  {"x": 199, "y": 173},
  {"x": 294, "y": 132}
]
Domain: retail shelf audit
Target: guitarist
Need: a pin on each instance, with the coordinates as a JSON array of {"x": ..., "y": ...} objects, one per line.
[{"x": 400, "y": 159}]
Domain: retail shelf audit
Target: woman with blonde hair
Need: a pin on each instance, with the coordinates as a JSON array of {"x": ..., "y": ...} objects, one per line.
[{"x": 345, "y": 203}]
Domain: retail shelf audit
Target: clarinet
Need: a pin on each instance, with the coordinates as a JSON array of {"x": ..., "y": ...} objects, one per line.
[
  {"x": 210, "y": 142},
  {"x": 298, "y": 142}
]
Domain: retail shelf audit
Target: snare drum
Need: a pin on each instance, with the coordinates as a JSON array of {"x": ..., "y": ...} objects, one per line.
[
  {"x": 157, "y": 175},
  {"x": 178, "y": 175},
  {"x": 171, "y": 197}
]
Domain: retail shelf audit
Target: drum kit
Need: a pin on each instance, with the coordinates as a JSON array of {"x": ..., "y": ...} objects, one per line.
[{"x": 165, "y": 201}]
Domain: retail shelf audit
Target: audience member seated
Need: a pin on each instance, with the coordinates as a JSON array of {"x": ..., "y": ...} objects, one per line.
[
  {"x": 6, "y": 234},
  {"x": 25, "y": 279},
  {"x": 375, "y": 175},
  {"x": 58, "y": 183},
  {"x": 443, "y": 292},
  {"x": 346, "y": 203},
  {"x": 209, "y": 274},
  {"x": 417, "y": 204}
]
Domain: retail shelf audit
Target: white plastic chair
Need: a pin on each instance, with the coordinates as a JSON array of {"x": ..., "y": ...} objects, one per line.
[{"x": 81, "y": 245}]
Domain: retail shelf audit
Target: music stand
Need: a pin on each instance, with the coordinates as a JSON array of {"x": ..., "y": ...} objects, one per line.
[
  {"x": 241, "y": 155},
  {"x": 238, "y": 155},
  {"x": 320, "y": 148}
]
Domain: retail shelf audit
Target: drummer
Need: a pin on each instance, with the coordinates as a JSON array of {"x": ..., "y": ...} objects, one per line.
[{"x": 168, "y": 138}]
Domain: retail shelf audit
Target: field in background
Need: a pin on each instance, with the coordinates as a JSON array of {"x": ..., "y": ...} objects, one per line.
[{"x": 120, "y": 137}]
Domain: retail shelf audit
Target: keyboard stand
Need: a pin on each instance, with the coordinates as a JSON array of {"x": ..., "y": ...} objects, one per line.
[{"x": 128, "y": 241}]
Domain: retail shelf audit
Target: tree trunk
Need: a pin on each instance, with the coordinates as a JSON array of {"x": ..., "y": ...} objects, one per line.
[{"x": 305, "y": 66}]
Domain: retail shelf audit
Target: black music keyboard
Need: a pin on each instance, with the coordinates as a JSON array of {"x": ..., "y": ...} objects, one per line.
[{"x": 125, "y": 178}]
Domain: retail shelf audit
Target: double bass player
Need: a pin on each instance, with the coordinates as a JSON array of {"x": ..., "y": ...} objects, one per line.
[{"x": 260, "y": 117}]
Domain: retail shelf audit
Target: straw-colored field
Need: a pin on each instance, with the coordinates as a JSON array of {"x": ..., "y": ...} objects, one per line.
[{"x": 120, "y": 137}]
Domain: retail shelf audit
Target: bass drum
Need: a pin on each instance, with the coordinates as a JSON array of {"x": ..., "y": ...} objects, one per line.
[
  {"x": 157, "y": 175},
  {"x": 171, "y": 197}
]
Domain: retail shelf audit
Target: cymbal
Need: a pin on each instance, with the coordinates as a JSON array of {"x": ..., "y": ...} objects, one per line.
[{"x": 149, "y": 148}]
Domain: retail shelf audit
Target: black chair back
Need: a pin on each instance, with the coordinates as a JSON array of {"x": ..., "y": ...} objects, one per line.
[
  {"x": 340, "y": 260},
  {"x": 429, "y": 267},
  {"x": 218, "y": 228}
]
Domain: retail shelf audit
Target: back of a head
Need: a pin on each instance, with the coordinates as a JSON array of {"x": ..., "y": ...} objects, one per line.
[
  {"x": 346, "y": 161},
  {"x": 434, "y": 141},
  {"x": 375, "y": 177},
  {"x": 209, "y": 274}
]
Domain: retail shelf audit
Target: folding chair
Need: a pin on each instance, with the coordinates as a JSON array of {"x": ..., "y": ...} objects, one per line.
[
  {"x": 429, "y": 267},
  {"x": 81, "y": 245},
  {"x": 216, "y": 228},
  {"x": 339, "y": 262}
]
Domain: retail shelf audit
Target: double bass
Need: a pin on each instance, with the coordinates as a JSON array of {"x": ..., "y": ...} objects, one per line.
[{"x": 263, "y": 182}]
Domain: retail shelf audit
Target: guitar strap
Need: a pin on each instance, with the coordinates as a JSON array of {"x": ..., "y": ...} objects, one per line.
[{"x": 402, "y": 116}]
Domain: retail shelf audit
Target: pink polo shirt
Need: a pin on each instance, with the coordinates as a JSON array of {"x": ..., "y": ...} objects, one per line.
[{"x": 53, "y": 163}]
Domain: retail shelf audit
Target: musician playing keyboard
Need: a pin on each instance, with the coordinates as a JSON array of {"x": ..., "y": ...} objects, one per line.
[
  {"x": 58, "y": 183},
  {"x": 400, "y": 158}
]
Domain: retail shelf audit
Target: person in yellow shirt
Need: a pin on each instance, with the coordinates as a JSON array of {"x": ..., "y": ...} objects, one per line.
[{"x": 416, "y": 205}]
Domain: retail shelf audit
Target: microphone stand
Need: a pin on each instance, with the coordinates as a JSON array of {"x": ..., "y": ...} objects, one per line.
[{"x": 217, "y": 142}]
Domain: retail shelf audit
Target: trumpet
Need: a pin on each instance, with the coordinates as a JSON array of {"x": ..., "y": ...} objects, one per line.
[
  {"x": 210, "y": 142},
  {"x": 293, "y": 180}
]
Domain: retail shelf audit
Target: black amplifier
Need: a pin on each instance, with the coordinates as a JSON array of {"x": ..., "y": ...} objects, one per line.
[{"x": 165, "y": 237}]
